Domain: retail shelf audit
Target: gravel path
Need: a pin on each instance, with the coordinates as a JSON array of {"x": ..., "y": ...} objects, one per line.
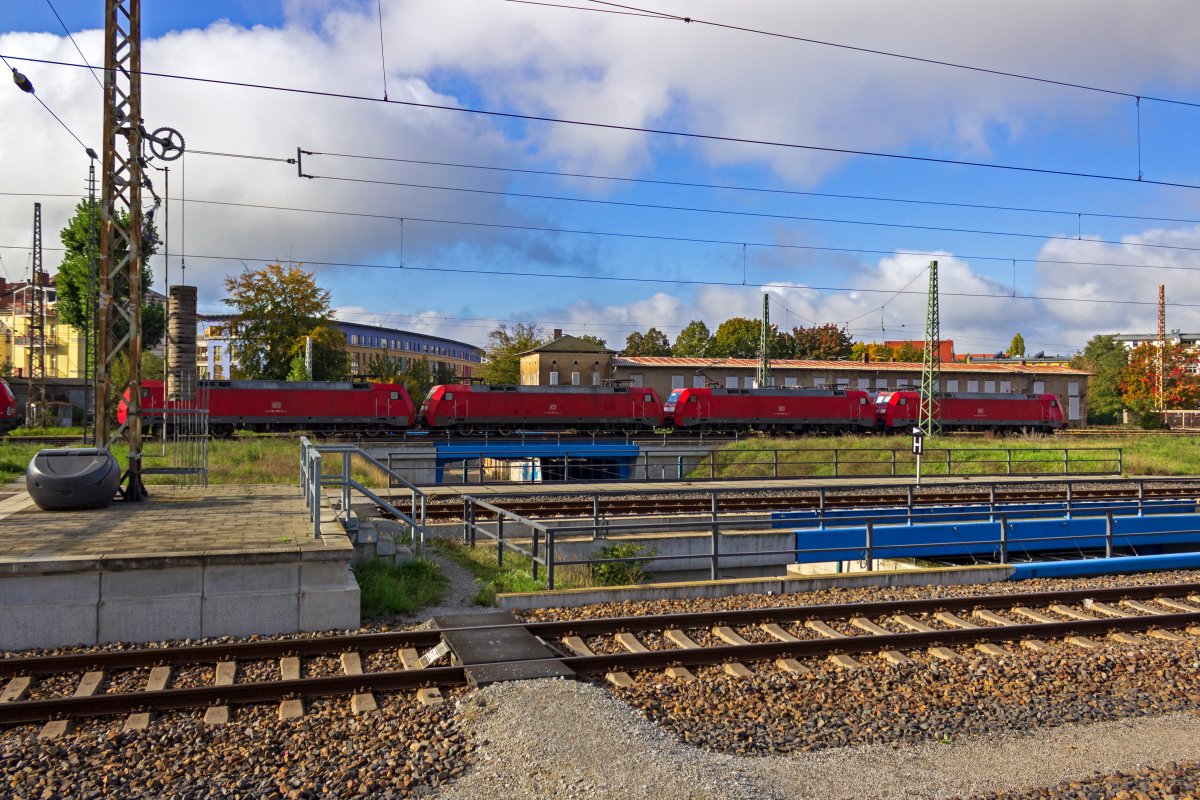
[
  {"x": 584, "y": 743},
  {"x": 460, "y": 595}
]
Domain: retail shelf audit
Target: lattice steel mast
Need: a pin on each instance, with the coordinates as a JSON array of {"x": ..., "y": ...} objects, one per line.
[
  {"x": 764, "y": 346},
  {"x": 930, "y": 417},
  {"x": 120, "y": 271},
  {"x": 35, "y": 334},
  {"x": 1162, "y": 347}
]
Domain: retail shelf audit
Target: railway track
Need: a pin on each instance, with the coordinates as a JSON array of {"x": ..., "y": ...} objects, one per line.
[
  {"x": 611, "y": 647},
  {"x": 447, "y": 510}
]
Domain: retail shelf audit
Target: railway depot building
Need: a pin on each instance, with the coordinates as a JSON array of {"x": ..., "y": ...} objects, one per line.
[{"x": 568, "y": 360}]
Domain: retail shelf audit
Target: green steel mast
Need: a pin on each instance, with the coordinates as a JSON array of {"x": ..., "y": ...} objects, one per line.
[
  {"x": 764, "y": 346},
  {"x": 930, "y": 418}
]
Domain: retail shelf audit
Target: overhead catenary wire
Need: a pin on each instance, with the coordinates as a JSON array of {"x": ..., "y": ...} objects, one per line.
[
  {"x": 640, "y": 11},
  {"x": 67, "y": 31},
  {"x": 667, "y": 238},
  {"x": 756, "y": 189},
  {"x": 50, "y": 111},
  {"x": 610, "y": 126},
  {"x": 738, "y": 213}
]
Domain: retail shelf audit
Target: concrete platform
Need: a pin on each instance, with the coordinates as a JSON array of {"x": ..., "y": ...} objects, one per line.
[{"x": 187, "y": 563}]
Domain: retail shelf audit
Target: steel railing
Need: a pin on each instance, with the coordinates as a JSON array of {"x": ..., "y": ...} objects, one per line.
[
  {"x": 314, "y": 478},
  {"x": 539, "y": 541}
]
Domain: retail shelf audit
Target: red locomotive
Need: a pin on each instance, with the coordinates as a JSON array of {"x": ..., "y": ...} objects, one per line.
[
  {"x": 327, "y": 408},
  {"x": 8, "y": 409},
  {"x": 973, "y": 411},
  {"x": 469, "y": 408},
  {"x": 771, "y": 410}
]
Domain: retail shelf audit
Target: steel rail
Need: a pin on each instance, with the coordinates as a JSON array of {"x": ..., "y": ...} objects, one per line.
[
  {"x": 869, "y": 643},
  {"x": 584, "y": 507},
  {"x": 368, "y": 642},
  {"x": 232, "y": 694},
  {"x": 398, "y": 680}
]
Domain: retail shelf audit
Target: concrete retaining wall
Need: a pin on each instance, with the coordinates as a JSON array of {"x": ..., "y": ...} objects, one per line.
[{"x": 64, "y": 602}]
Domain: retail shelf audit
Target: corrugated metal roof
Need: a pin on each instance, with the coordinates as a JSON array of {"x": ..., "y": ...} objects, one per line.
[{"x": 839, "y": 366}]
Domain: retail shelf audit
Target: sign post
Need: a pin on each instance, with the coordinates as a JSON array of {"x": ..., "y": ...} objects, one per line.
[{"x": 917, "y": 446}]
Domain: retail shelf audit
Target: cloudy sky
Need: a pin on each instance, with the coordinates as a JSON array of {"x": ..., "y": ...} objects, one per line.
[{"x": 712, "y": 167}]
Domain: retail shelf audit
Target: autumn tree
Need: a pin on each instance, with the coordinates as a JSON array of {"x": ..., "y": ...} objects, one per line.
[
  {"x": 502, "y": 356},
  {"x": 651, "y": 343},
  {"x": 907, "y": 352},
  {"x": 275, "y": 308},
  {"x": 75, "y": 288},
  {"x": 693, "y": 341},
  {"x": 419, "y": 377},
  {"x": 1107, "y": 360},
  {"x": 588, "y": 337},
  {"x": 383, "y": 369},
  {"x": 823, "y": 342},
  {"x": 1181, "y": 381},
  {"x": 1016, "y": 348}
]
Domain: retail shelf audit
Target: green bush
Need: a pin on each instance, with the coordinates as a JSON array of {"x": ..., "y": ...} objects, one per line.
[
  {"x": 387, "y": 588},
  {"x": 621, "y": 573}
]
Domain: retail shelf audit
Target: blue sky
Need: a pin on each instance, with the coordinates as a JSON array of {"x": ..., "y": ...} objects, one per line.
[{"x": 459, "y": 250}]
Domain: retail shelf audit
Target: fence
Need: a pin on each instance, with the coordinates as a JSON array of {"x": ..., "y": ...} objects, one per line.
[
  {"x": 832, "y": 462},
  {"x": 314, "y": 478},
  {"x": 1110, "y": 526}
]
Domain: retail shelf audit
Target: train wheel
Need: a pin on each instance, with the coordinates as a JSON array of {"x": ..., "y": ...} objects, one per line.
[
  {"x": 327, "y": 433},
  {"x": 220, "y": 431},
  {"x": 464, "y": 430},
  {"x": 505, "y": 430}
]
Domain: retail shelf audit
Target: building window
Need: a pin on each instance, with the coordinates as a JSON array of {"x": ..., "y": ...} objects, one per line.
[
  {"x": 989, "y": 386},
  {"x": 1039, "y": 387},
  {"x": 864, "y": 383},
  {"x": 951, "y": 385},
  {"x": 698, "y": 381},
  {"x": 789, "y": 383},
  {"x": 676, "y": 381},
  {"x": 554, "y": 377},
  {"x": 972, "y": 386},
  {"x": 575, "y": 378},
  {"x": 818, "y": 381},
  {"x": 1006, "y": 386},
  {"x": 731, "y": 382},
  {"x": 881, "y": 383},
  {"x": 635, "y": 380},
  {"x": 217, "y": 353}
]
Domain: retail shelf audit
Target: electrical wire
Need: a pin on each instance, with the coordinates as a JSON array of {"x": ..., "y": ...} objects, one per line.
[
  {"x": 903, "y": 56},
  {"x": 679, "y": 239},
  {"x": 510, "y": 115},
  {"x": 756, "y": 189},
  {"x": 72, "y": 38},
  {"x": 50, "y": 111},
  {"x": 737, "y": 213}
]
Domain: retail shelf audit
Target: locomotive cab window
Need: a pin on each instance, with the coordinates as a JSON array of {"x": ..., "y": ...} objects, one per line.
[
  {"x": 1054, "y": 404},
  {"x": 903, "y": 401},
  {"x": 395, "y": 395},
  {"x": 692, "y": 399},
  {"x": 448, "y": 395}
]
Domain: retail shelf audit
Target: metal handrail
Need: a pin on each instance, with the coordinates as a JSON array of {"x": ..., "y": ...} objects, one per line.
[
  {"x": 313, "y": 479},
  {"x": 548, "y": 536}
]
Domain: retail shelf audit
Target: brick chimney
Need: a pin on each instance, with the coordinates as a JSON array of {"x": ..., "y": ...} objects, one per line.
[{"x": 558, "y": 333}]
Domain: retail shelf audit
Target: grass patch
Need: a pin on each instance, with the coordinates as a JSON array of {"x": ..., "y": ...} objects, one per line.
[
  {"x": 515, "y": 576},
  {"x": 887, "y": 456},
  {"x": 24, "y": 431},
  {"x": 388, "y": 588},
  {"x": 255, "y": 458}
]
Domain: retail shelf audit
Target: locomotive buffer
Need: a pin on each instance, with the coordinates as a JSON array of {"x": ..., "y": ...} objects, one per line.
[{"x": 493, "y": 646}]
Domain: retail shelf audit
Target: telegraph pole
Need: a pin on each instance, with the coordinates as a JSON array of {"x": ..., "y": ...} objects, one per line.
[
  {"x": 930, "y": 418},
  {"x": 119, "y": 279},
  {"x": 1162, "y": 346}
]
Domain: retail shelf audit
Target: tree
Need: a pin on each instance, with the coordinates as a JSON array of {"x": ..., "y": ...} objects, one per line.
[
  {"x": 1107, "y": 360},
  {"x": 1181, "y": 381},
  {"x": 738, "y": 337},
  {"x": 383, "y": 369},
  {"x": 276, "y": 307},
  {"x": 298, "y": 370},
  {"x": 825, "y": 342},
  {"x": 502, "y": 356},
  {"x": 588, "y": 337},
  {"x": 907, "y": 352},
  {"x": 693, "y": 341},
  {"x": 651, "y": 343},
  {"x": 419, "y": 377},
  {"x": 73, "y": 284},
  {"x": 1016, "y": 348}
]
